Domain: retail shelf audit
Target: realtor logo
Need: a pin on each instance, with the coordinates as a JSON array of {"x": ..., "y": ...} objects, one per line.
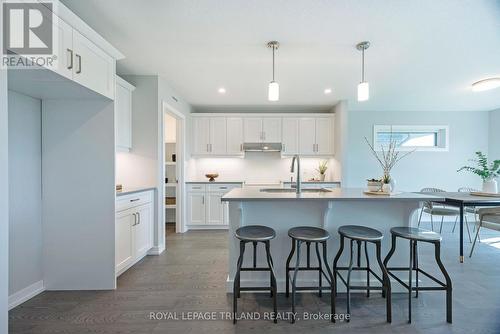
[
  {"x": 27, "y": 28},
  {"x": 28, "y": 40}
]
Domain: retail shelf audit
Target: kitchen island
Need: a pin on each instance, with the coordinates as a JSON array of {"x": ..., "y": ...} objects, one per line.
[{"x": 330, "y": 209}]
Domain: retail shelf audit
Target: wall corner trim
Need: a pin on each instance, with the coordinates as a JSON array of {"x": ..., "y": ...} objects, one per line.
[{"x": 26, "y": 294}]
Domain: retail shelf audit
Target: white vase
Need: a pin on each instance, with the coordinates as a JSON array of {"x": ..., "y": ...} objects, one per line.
[
  {"x": 386, "y": 188},
  {"x": 322, "y": 177},
  {"x": 490, "y": 186},
  {"x": 393, "y": 185}
]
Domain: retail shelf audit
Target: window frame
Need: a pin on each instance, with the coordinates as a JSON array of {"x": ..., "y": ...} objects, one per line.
[{"x": 442, "y": 132}]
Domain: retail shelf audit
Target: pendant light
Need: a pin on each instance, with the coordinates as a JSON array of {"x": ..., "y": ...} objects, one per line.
[
  {"x": 363, "y": 87},
  {"x": 274, "y": 87}
]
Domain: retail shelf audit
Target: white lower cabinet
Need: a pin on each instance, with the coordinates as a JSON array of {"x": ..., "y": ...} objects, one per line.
[
  {"x": 133, "y": 229},
  {"x": 205, "y": 208}
]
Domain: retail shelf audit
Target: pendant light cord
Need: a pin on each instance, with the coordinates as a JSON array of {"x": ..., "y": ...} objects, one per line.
[
  {"x": 273, "y": 61},
  {"x": 363, "y": 66}
]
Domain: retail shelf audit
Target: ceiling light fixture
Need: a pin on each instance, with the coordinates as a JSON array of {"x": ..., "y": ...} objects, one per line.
[
  {"x": 328, "y": 91},
  {"x": 363, "y": 87},
  {"x": 274, "y": 87},
  {"x": 222, "y": 90},
  {"x": 486, "y": 84}
]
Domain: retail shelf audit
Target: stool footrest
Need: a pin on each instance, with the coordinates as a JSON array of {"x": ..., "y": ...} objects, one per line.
[
  {"x": 255, "y": 269},
  {"x": 442, "y": 287},
  {"x": 255, "y": 288},
  {"x": 322, "y": 272},
  {"x": 358, "y": 269}
]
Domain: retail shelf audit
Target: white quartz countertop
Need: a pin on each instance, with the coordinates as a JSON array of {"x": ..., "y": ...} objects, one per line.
[
  {"x": 339, "y": 194},
  {"x": 134, "y": 190}
]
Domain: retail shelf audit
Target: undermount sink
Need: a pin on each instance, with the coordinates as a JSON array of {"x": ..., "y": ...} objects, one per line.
[{"x": 291, "y": 190}]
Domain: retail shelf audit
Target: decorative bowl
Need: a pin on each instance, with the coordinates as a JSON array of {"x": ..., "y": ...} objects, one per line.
[
  {"x": 212, "y": 176},
  {"x": 374, "y": 185}
]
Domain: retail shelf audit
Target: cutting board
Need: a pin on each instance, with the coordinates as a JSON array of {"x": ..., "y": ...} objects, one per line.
[
  {"x": 475, "y": 193},
  {"x": 380, "y": 193}
]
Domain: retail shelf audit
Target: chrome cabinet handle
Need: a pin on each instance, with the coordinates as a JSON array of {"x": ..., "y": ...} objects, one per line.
[
  {"x": 70, "y": 59},
  {"x": 222, "y": 187},
  {"x": 135, "y": 200},
  {"x": 241, "y": 147},
  {"x": 79, "y": 70},
  {"x": 135, "y": 219},
  {"x": 138, "y": 218},
  {"x": 203, "y": 200}
]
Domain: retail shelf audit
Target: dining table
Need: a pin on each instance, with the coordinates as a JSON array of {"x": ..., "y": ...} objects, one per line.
[{"x": 462, "y": 200}]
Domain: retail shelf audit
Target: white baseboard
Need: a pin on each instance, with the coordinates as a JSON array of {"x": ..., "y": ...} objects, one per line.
[
  {"x": 25, "y": 294},
  {"x": 156, "y": 250}
]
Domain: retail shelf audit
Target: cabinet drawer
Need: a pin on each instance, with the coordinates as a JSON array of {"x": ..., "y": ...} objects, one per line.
[
  {"x": 196, "y": 188},
  {"x": 222, "y": 188},
  {"x": 133, "y": 200}
]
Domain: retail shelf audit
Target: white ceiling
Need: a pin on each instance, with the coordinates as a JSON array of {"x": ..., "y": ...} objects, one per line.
[{"x": 424, "y": 54}]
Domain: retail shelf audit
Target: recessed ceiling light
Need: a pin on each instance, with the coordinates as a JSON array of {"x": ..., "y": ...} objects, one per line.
[
  {"x": 486, "y": 84},
  {"x": 328, "y": 91},
  {"x": 222, "y": 90}
]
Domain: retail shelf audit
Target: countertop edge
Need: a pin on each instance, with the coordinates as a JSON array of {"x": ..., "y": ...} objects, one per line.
[{"x": 134, "y": 191}]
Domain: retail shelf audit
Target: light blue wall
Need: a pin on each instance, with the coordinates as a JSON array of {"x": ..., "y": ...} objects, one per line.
[
  {"x": 494, "y": 143},
  {"x": 468, "y": 134}
]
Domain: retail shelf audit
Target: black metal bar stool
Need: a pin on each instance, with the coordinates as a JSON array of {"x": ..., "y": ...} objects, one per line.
[
  {"x": 415, "y": 235},
  {"x": 309, "y": 235},
  {"x": 363, "y": 235},
  {"x": 254, "y": 234}
]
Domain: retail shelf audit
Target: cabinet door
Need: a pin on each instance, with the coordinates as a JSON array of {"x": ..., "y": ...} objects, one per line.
[
  {"x": 65, "y": 60},
  {"x": 290, "y": 136},
  {"x": 307, "y": 136},
  {"x": 143, "y": 230},
  {"x": 324, "y": 136},
  {"x": 196, "y": 208},
  {"x": 252, "y": 130},
  {"x": 123, "y": 116},
  {"x": 234, "y": 135},
  {"x": 218, "y": 135},
  {"x": 214, "y": 209},
  {"x": 271, "y": 128},
  {"x": 124, "y": 239},
  {"x": 93, "y": 68},
  {"x": 201, "y": 129}
]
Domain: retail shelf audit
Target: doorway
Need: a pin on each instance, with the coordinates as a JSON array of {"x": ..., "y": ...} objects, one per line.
[{"x": 172, "y": 180}]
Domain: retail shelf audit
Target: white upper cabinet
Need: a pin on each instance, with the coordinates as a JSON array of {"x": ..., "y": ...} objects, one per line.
[
  {"x": 93, "y": 68},
  {"x": 201, "y": 135},
  {"x": 290, "y": 137},
  {"x": 252, "y": 130},
  {"x": 218, "y": 144},
  {"x": 64, "y": 34},
  {"x": 324, "y": 136},
  {"x": 123, "y": 114},
  {"x": 307, "y": 136},
  {"x": 234, "y": 135},
  {"x": 260, "y": 130},
  {"x": 271, "y": 128}
]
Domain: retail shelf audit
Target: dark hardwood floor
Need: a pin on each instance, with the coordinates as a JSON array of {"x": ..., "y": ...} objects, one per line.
[{"x": 191, "y": 276}]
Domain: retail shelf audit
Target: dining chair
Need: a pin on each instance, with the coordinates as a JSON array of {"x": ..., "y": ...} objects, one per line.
[
  {"x": 470, "y": 209},
  {"x": 488, "y": 218},
  {"x": 434, "y": 209}
]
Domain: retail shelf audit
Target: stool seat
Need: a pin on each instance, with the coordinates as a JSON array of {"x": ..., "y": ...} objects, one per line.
[
  {"x": 362, "y": 233},
  {"x": 308, "y": 234},
  {"x": 255, "y": 233},
  {"x": 414, "y": 233}
]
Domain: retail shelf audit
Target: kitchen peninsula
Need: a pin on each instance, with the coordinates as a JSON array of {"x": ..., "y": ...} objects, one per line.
[{"x": 329, "y": 209}]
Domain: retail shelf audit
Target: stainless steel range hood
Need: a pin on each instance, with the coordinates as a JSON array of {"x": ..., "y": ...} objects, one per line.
[{"x": 262, "y": 147}]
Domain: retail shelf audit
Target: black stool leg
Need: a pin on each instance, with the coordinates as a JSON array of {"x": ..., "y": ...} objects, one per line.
[
  {"x": 273, "y": 279},
  {"x": 359, "y": 253},
  {"x": 236, "y": 283},
  {"x": 320, "y": 278},
  {"x": 409, "y": 281},
  {"x": 255, "y": 254},
  {"x": 349, "y": 280},
  {"x": 415, "y": 266},
  {"x": 367, "y": 271},
  {"x": 294, "y": 281},
  {"x": 437, "y": 255},
  {"x": 389, "y": 255},
  {"x": 292, "y": 251},
  {"x": 385, "y": 281},
  {"x": 333, "y": 279},
  {"x": 336, "y": 260}
]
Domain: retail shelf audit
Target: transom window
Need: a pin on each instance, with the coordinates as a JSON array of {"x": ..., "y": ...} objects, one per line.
[{"x": 407, "y": 137}]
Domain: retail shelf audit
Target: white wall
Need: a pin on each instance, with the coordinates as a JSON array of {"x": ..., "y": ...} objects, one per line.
[
  {"x": 78, "y": 174},
  {"x": 468, "y": 134},
  {"x": 255, "y": 168},
  {"x": 4, "y": 197},
  {"x": 25, "y": 192},
  {"x": 494, "y": 140}
]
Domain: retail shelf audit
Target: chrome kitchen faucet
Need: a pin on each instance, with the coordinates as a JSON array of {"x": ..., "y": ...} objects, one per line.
[{"x": 299, "y": 185}]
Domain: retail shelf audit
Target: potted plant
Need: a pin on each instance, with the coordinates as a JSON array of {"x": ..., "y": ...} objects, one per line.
[
  {"x": 386, "y": 184},
  {"x": 388, "y": 158},
  {"x": 323, "y": 167},
  {"x": 487, "y": 172},
  {"x": 374, "y": 185}
]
